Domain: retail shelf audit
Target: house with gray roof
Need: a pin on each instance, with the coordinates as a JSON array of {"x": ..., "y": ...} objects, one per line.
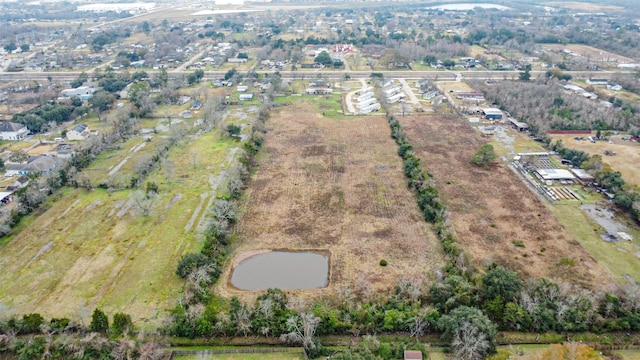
[
  {"x": 41, "y": 164},
  {"x": 12, "y": 131}
]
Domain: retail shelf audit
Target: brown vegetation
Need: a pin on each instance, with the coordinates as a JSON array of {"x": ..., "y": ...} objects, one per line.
[
  {"x": 337, "y": 185},
  {"x": 492, "y": 210}
]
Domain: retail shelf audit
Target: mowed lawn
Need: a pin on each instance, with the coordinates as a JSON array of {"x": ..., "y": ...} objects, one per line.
[
  {"x": 336, "y": 185},
  {"x": 90, "y": 249}
]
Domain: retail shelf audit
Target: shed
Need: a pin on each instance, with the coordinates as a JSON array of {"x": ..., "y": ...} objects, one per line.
[
  {"x": 412, "y": 355},
  {"x": 246, "y": 97},
  {"x": 518, "y": 125},
  {"x": 582, "y": 175},
  {"x": 555, "y": 174}
]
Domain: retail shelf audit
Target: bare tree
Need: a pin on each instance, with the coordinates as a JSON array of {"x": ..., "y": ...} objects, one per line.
[
  {"x": 143, "y": 202},
  {"x": 418, "y": 325},
  {"x": 151, "y": 351},
  {"x": 469, "y": 343},
  {"x": 301, "y": 330}
]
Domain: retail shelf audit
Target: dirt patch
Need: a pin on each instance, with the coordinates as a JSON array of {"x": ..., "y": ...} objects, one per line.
[
  {"x": 346, "y": 194},
  {"x": 496, "y": 218}
]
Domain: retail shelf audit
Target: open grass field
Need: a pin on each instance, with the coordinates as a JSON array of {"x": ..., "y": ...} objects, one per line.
[
  {"x": 336, "y": 185},
  {"x": 89, "y": 249},
  {"x": 590, "y": 52},
  {"x": 621, "y": 258},
  {"x": 628, "y": 154},
  {"x": 584, "y": 6},
  {"x": 492, "y": 209}
]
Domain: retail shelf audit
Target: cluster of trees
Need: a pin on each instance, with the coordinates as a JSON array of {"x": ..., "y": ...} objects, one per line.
[
  {"x": 48, "y": 116},
  {"x": 545, "y": 105},
  {"x": 33, "y": 337}
]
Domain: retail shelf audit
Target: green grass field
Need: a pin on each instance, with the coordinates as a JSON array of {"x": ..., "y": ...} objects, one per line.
[
  {"x": 87, "y": 249},
  {"x": 619, "y": 257},
  {"x": 278, "y": 356}
]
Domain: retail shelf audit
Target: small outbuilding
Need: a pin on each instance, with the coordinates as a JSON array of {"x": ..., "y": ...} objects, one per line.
[
  {"x": 412, "y": 355},
  {"x": 518, "y": 125}
]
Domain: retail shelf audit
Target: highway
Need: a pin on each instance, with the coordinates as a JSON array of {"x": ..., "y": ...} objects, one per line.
[{"x": 334, "y": 75}]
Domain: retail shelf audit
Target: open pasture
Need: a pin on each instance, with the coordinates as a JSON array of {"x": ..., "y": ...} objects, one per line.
[
  {"x": 495, "y": 216},
  {"x": 335, "y": 185},
  {"x": 594, "y": 54},
  {"x": 625, "y": 160}
]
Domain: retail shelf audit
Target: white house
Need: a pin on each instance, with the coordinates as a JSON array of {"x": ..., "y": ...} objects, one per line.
[
  {"x": 83, "y": 92},
  {"x": 12, "y": 131}
]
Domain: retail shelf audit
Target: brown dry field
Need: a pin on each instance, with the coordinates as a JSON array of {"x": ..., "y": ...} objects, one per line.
[
  {"x": 588, "y": 51},
  {"x": 335, "y": 185},
  {"x": 489, "y": 209},
  {"x": 583, "y": 6},
  {"x": 626, "y": 160}
]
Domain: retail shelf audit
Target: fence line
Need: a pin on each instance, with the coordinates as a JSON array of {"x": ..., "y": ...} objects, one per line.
[{"x": 175, "y": 353}]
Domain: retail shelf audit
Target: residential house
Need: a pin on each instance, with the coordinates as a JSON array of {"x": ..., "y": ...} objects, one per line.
[
  {"x": 42, "y": 164},
  {"x": 78, "y": 132},
  {"x": 83, "y": 92},
  {"x": 316, "y": 91},
  {"x": 593, "y": 81},
  {"x": 430, "y": 94},
  {"x": 614, "y": 87},
  {"x": 246, "y": 97},
  {"x": 186, "y": 114},
  {"x": 195, "y": 105},
  {"x": 12, "y": 131},
  {"x": 21, "y": 182}
]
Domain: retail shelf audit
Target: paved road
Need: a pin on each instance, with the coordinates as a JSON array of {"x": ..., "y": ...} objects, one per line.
[
  {"x": 195, "y": 57},
  {"x": 409, "y": 91},
  {"x": 333, "y": 75}
]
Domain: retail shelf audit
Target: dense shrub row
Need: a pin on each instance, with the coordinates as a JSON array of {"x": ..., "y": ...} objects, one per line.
[{"x": 421, "y": 183}]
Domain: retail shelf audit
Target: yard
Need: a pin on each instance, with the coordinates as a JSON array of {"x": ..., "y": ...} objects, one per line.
[{"x": 337, "y": 185}]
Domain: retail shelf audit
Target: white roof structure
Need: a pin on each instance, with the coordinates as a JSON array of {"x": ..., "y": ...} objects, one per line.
[
  {"x": 581, "y": 174},
  {"x": 555, "y": 174},
  {"x": 492, "y": 111}
]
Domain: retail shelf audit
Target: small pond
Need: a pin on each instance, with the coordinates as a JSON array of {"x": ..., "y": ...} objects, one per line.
[{"x": 283, "y": 270}]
